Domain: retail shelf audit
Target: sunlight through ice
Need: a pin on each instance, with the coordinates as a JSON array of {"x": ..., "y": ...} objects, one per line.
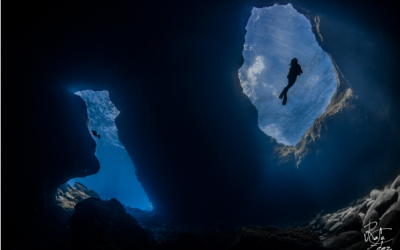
[{"x": 274, "y": 36}]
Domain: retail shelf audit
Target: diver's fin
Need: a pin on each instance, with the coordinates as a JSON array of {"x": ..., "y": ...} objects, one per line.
[
  {"x": 284, "y": 100},
  {"x": 283, "y": 93}
]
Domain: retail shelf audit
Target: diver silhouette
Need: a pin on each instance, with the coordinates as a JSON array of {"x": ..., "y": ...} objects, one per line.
[
  {"x": 294, "y": 71},
  {"x": 95, "y": 133}
]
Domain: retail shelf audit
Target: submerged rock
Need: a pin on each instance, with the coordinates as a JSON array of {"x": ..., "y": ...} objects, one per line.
[
  {"x": 350, "y": 213},
  {"x": 343, "y": 240},
  {"x": 68, "y": 196},
  {"x": 268, "y": 237},
  {"x": 382, "y": 208},
  {"x": 361, "y": 245},
  {"x": 396, "y": 241},
  {"x": 396, "y": 183},
  {"x": 391, "y": 220},
  {"x": 182, "y": 241},
  {"x": 394, "y": 207},
  {"x": 398, "y": 191},
  {"x": 145, "y": 218},
  {"x": 330, "y": 223},
  {"x": 353, "y": 223},
  {"x": 382, "y": 203},
  {"x": 363, "y": 208},
  {"x": 243, "y": 237},
  {"x": 374, "y": 194},
  {"x": 370, "y": 202},
  {"x": 98, "y": 224},
  {"x": 335, "y": 227}
]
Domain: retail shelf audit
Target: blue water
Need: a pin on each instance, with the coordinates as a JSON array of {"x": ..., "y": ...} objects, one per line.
[
  {"x": 274, "y": 36},
  {"x": 116, "y": 178}
]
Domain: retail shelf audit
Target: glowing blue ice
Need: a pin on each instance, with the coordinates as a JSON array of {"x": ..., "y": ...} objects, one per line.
[
  {"x": 116, "y": 178},
  {"x": 274, "y": 36}
]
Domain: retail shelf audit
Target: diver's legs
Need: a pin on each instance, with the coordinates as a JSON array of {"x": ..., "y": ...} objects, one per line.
[
  {"x": 284, "y": 100},
  {"x": 283, "y": 92},
  {"x": 292, "y": 80}
]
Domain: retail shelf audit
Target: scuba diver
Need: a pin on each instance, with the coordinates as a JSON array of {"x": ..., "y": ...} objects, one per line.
[
  {"x": 95, "y": 134},
  {"x": 294, "y": 71}
]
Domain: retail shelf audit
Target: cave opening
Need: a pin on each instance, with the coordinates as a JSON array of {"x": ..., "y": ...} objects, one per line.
[
  {"x": 275, "y": 35},
  {"x": 116, "y": 177}
]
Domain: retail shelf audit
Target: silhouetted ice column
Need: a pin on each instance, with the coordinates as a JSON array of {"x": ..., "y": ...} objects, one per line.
[
  {"x": 274, "y": 36},
  {"x": 116, "y": 178}
]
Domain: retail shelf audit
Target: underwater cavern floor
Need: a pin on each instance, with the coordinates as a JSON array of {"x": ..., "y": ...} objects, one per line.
[{"x": 82, "y": 220}]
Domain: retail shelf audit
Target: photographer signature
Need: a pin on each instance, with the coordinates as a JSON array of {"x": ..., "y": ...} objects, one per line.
[{"x": 376, "y": 241}]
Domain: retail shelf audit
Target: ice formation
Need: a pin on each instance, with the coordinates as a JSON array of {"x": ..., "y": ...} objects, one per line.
[
  {"x": 274, "y": 36},
  {"x": 116, "y": 178}
]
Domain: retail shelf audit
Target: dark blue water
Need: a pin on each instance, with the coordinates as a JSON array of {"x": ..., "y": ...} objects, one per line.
[{"x": 117, "y": 177}]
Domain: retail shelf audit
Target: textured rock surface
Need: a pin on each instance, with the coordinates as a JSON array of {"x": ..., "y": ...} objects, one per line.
[
  {"x": 384, "y": 212},
  {"x": 244, "y": 237},
  {"x": 363, "y": 208},
  {"x": 106, "y": 225},
  {"x": 335, "y": 227},
  {"x": 68, "y": 196},
  {"x": 48, "y": 229},
  {"x": 343, "y": 240},
  {"x": 382, "y": 203},
  {"x": 50, "y": 145},
  {"x": 182, "y": 241},
  {"x": 145, "y": 218},
  {"x": 330, "y": 223},
  {"x": 374, "y": 194},
  {"x": 358, "y": 246},
  {"x": 370, "y": 202},
  {"x": 62, "y": 148},
  {"x": 390, "y": 220},
  {"x": 353, "y": 223},
  {"x": 256, "y": 237},
  {"x": 394, "y": 207},
  {"x": 396, "y": 183},
  {"x": 396, "y": 241}
]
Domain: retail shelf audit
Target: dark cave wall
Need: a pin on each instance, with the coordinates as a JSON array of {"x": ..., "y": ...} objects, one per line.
[
  {"x": 355, "y": 149},
  {"x": 357, "y": 145},
  {"x": 190, "y": 132},
  {"x": 47, "y": 143},
  {"x": 354, "y": 153}
]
